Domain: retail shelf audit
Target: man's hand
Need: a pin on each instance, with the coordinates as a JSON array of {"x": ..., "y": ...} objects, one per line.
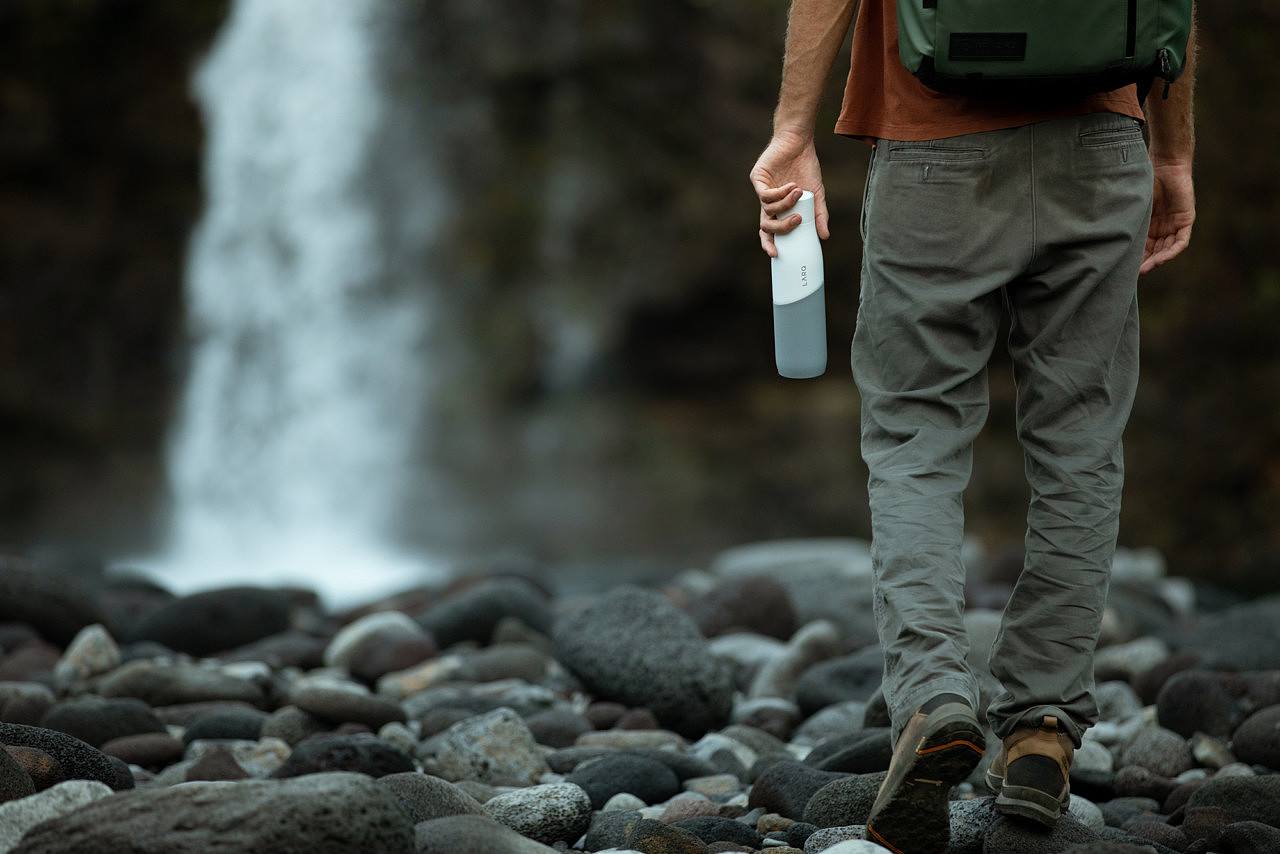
[
  {"x": 788, "y": 165},
  {"x": 1172, "y": 214}
]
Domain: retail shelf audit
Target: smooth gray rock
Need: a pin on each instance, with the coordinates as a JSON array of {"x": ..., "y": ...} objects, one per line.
[
  {"x": 344, "y": 702},
  {"x": 647, "y": 778},
  {"x": 473, "y": 834},
  {"x": 17, "y": 817},
  {"x": 425, "y": 797},
  {"x": 474, "y": 613},
  {"x": 174, "y": 684},
  {"x": 316, "y": 814},
  {"x": 633, "y": 646}
]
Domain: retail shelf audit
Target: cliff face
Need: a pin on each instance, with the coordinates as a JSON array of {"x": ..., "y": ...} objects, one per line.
[{"x": 605, "y": 284}]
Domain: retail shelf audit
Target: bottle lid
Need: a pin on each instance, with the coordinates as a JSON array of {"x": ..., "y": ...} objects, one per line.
[{"x": 804, "y": 207}]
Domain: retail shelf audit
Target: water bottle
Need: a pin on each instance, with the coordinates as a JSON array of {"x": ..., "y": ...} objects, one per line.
[{"x": 799, "y": 309}]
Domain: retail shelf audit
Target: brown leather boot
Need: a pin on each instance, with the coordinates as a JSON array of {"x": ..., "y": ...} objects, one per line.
[
  {"x": 1030, "y": 775},
  {"x": 939, "y": 746}
]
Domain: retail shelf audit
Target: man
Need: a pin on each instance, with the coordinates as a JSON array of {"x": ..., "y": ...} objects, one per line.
[{"x": 971, "y": 206}]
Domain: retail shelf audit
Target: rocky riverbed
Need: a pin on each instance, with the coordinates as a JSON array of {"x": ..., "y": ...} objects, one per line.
[{"x": 731, "y": 708}]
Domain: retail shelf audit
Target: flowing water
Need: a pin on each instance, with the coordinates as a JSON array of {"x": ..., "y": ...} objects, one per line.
[{"x": 309, "y": 310}]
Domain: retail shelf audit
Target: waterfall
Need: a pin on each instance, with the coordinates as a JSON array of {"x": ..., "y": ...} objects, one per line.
[{"x": 309, "y": 310}]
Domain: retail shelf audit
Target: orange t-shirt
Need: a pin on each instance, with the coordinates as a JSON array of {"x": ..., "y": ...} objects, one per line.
[{"x": 883, "y": 100}]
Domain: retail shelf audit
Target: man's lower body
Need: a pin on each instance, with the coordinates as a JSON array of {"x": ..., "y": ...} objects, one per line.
[{"x": 1048, "y": 222}]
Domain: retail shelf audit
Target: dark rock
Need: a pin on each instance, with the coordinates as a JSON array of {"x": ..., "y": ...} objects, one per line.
[
  {"x": 318, "y": 814},
  {"x": 1178, "y": 798},
  {"x": 633, "y": 646},
  {"x": 786, "y": 787},
  {"x": 757, "y": 604},
  {"x": 1244, "y": 798},
  {"x": 424, "y": 797},
  {"x": 1205, "y": 824},
  {"x": 685, "y": 765},
  {"x": 710, "y": 829},
  {"x": 24, "y": 702},
  {"x": 969, "y": 822},
  {"x": 638, "y": 720},
  {"x": 648, "y": 779},
  {"x": 345, "y": 703},
  {"x": 291, "y": 648},
  {"x": 217, "y": 764},
  {"x": 1133, "y": 781},
  {"x": 1159, "y": 750},
  {"x": 362, "y": 753},
  {"x": 1096, "y": 786},
  {"x": 1201, "y": 701},
  {"x": 610, "y": 829},
  {"x": 567, "y": 759},
  {"x": 76, "y": 760},
  {"x": 95, "y": 720},
  {"x": 124, "y": 775},
  {"x": 504, "y": 661},
  {"x": 241, "y": 724},
  {"x": 798, "y": 834},
  {"x": 42, "y": 768},
  {"x": 1158, "y": 831},
  {"x": 472, "y": 834},
  {"x": 843, "y": 802},
  {"x": 155, "y": 750},
  {"x": 1149, "y": 682},
  {"x": 604, "y": 714},
  {"x": 15, "y": 782},
  {"x": 55, "y": 604},
  {"x": 1007, "y": 836},
  {"x": 1257, "y": 740},
  {"x": 159, "y": 684},
  {"x": 650, "y": 836},
  {"x": 863, "y": 752},
  {"x": 849, "y": 677},
  {"x": 291, "y": 725},
  {"x": 1107, "y": 847},
  {"x": 186, "y": 714},
  {"x": 1249, "y": 837},
  {"x": 371, "y": 662},
  {"x": 33, "y": 661},
  {"x": 472, "y": 614},
  {"x": 216, "y": 620},
  {"x": 1118, "y": 811},
  {"x": 558, "y": 728},
  {"x": 1242, "y": 637}
]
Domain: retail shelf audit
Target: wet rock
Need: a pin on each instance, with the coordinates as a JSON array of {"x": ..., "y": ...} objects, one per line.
[
  {"x": 319, "y": 814},
  {"x": 632, "y": 646}
]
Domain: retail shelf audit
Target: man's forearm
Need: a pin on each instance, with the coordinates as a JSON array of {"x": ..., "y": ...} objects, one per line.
[
  {"x": 1170, "y": 122},
  {"x": 815, "y": 32}
]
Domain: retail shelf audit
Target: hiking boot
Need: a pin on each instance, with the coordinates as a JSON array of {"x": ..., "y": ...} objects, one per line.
[
  {"x": 1030, "y": 774},
  {"x": 940, "y": 745}
]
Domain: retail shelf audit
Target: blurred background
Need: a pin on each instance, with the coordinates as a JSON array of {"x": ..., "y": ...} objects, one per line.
[{"x": 294, "y": 289}]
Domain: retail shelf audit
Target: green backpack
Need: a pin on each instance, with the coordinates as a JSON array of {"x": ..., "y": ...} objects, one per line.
[{"x": 1043, "y": 49}]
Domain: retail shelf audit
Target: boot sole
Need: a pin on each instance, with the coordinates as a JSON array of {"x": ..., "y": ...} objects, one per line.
[
  {"x": 1032, "y": 804},
  {"x": 916, "y": 818}
]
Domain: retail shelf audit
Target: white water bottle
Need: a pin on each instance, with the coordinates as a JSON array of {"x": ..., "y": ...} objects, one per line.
[{"x": 799, "y": 307}]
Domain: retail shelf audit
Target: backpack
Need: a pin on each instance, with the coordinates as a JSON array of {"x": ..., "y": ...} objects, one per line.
[{"x": 1043, "y": 49}]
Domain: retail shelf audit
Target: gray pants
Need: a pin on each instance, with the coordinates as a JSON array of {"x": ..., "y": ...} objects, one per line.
[{"x": 1048, "y": 220}]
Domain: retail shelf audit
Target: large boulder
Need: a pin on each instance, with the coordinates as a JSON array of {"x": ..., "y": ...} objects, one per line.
[{"x": 635, "y": 647}]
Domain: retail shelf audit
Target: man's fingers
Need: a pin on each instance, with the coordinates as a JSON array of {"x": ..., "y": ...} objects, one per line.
[
  {"x": 766, "y": 243},
  {"x": 776, "y": 207}
]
